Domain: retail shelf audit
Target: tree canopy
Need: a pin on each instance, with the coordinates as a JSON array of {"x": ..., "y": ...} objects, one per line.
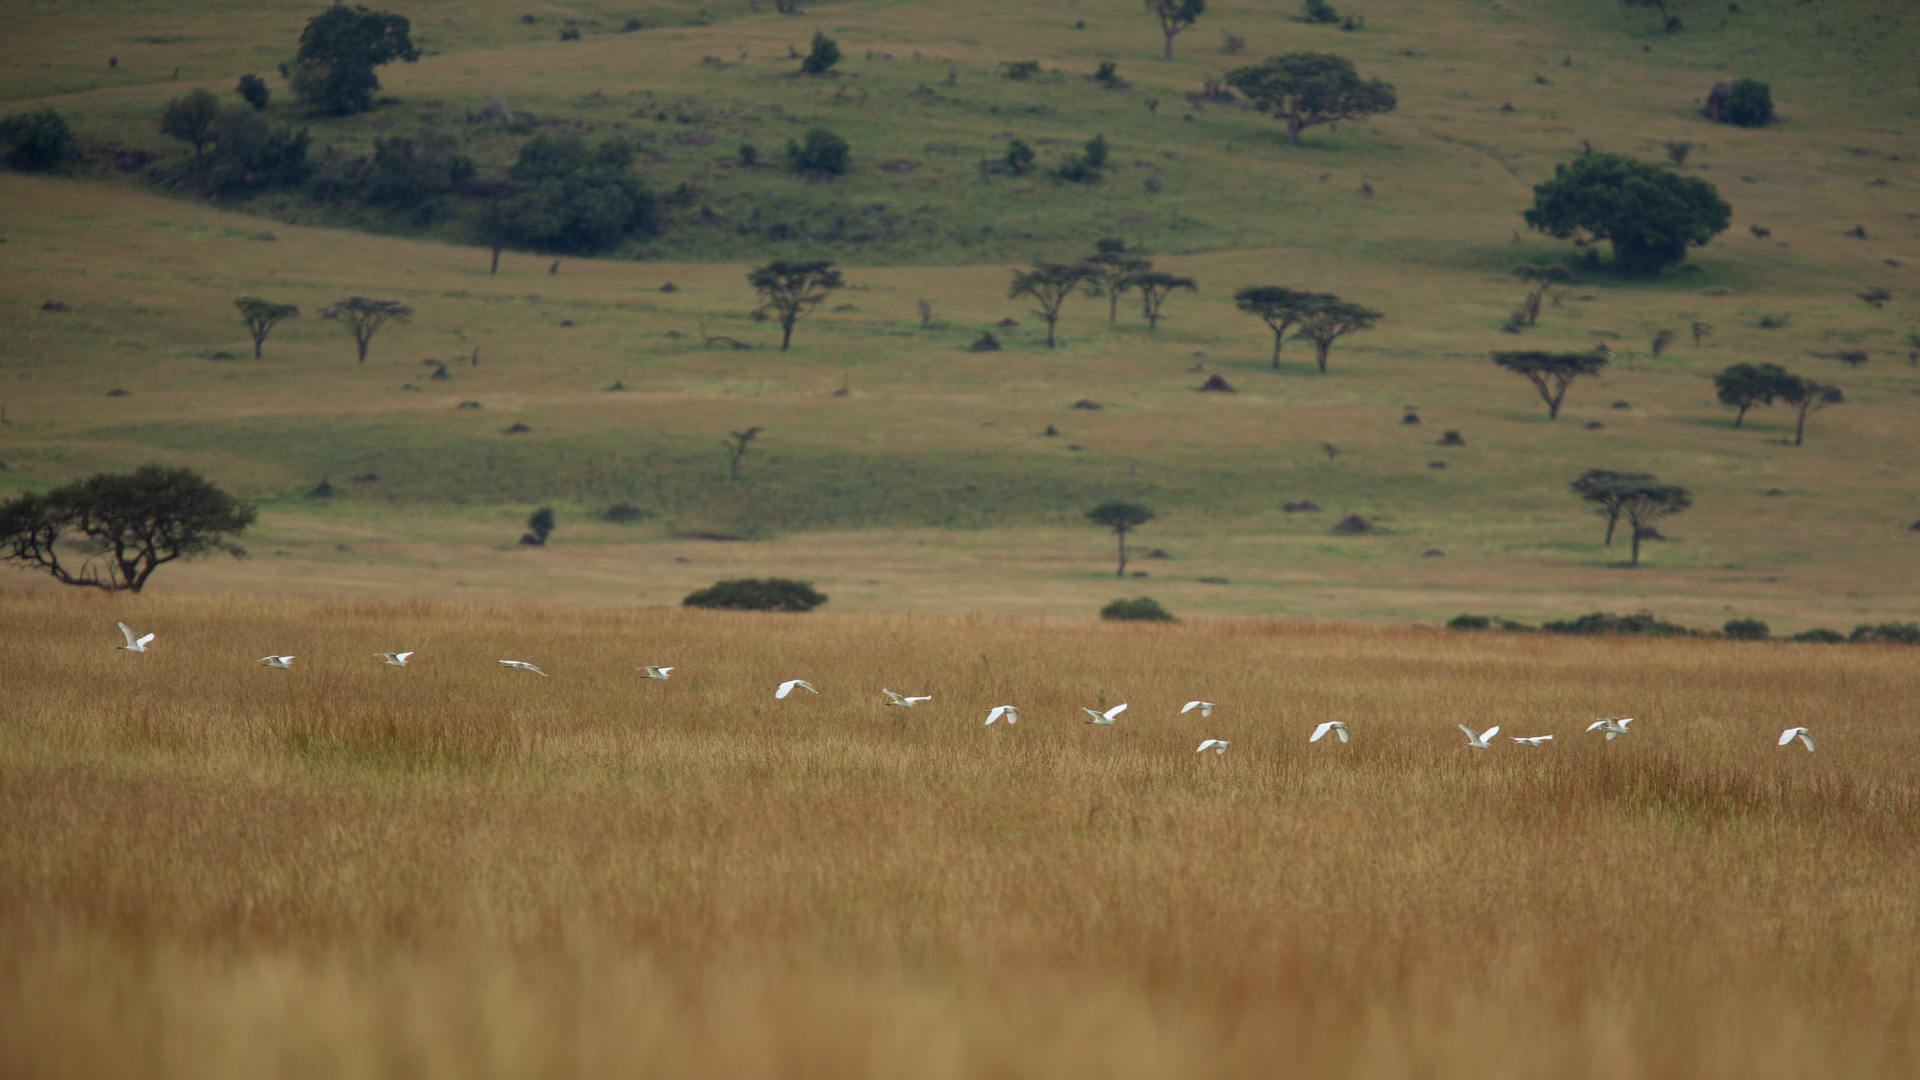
[
  {"x": 1645, "y": 503},
  {"x": 190, "y": 119},
  {"x": 1329, "y": 318},
  {"x": 1173, "y": 17},
  {"x": 1154, "y": 287},
  {"x": 1539, "y": 279},
  {"x": 1306, "y": 89},
  {"x": 592, "y": 196},
  {"x": 1807, "y": 397},
  {"x": 519, "y": 220},
  {"x": 1049, "y": 285},
  {"x": 791, "y": 289},
  {"x": 1551, "y": 373},
  {"x": 1278, "y": 307},
  {"x": 364, "y": 317},
  {"x": 1650, "y": 214},
  {"x": 36, "y": 141},
  {"x": 1111, "y": 270},
  {"x": 1607, "y": 491},
  {"x": 333, "y": 71},
  {"x": 1743, "y": 386},
  {"x": 133, "y": 522},
  {"x": 1122, "y": 517},
  {"x": 260, "y": 317}
]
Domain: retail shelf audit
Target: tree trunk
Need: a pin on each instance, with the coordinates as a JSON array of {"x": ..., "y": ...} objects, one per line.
[
  {"x": 1800, "y": 429},
  {"x": 1276, "y": 350},
  {"x": 1741, "y": 416},
  {"x": 1293, "y": 129},
  {"x": 786, "y": 332},
  {"x": 1612, "y": 520},
  {"x": 1553, "y": 408},
  {"x": 1167, "y": 53},
  {"x": 1122, "y": 534},
  {"x": 1320, "y": 354},
  {"x": 1635, "y": 561},
  {"x": 1050, "y": 319},
  {"x": 256, "y": 346},
  {"x": 496, "y": 260},
  {"x": 1113, "y": 304},
  {"x": 361, "y": 341}
]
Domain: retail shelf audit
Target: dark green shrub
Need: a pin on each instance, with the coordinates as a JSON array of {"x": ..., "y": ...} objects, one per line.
[
  {"x": 825, "y": 54},
  {"x": 1019, "y": 157},
  {"x": 1021, "y": 69},
  {"x": 1750, "y": 104},
  {"x": 1469, "y": 622},
  {"x": 36, "y": 141},
  {"x": 248, "y": 154},
  {"x": 1086, "y": 167},
  {"x": 824, "y": 153},
  {"x": 253, "y": 90},
  {"x": 1821, "y": 635},
  {"x": 757, "y": 594},
  {"x": 1606, "y": 623},
  {"x": 1108, "y": 74},
  {"x": 1747, "y": 630},
  {"x": 1319, "y": 11},
  {"x": 986, "y": 342},
  {"x": 1887, "y": 633},
  {"x": 1139, "y": 609}
]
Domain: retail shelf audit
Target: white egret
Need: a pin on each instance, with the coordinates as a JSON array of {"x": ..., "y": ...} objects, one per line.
[
  {"x": 521, "y": 665},
  {"x": 903, "y": 702},
  {"x": 1205, "y": 707},
  {"x": 1800, "y": 733},
  {"x": 1334, "y": 726},
  {"x": 1218, "y": 746},
  {"x": 277, "y": 661},
  {"x": 1012, "y": 714},
  {"x": 1104, "y": 718},
  {"x": 1479, "y": 742},
  {"x": 787, "y": 687},
  {"x": 655, "y": 672},
  {"x": 134, "y": 644},
  {"x": 1531, "y": 740},
  {"x": 394, "y": 659},
  {"x": 1612, "y": 725}
]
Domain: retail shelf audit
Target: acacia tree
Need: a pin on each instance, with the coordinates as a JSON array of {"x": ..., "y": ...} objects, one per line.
[
  {"x": 1122, "y": 518},
  {"x": 1306, "y": 89},
  {"x": 737, "y": 448},
  {"x": 1278, "y": 307},
  {"x": 191, "y": 118},
  {"x": 1540, "y": 280},
  {"x": 1649, "y": 213},
  {"x": 1551, "y": 373},
  {"x": 1607, "y": 491},
  {"x": 260, "y": 317},
  {"x": 1743, "y": 386},
  {"x": 1643, "y": 504},
  {"x": 135, "y": 522},
  {"x": 1807, "y": 397},
  {"x": 791, "y": 289},
  {"x": 1049, "y": 285},
  {"x": 333, "y": 72},
  {"x": 515, "y": 221},
  {"x": 1111, "y": 268},
  {"x": 1154, "y": 287},
  {"x": 363, "y": 318},
  {"x": 1175, "y": 16},
  {"x": 1329, "y": 318}
]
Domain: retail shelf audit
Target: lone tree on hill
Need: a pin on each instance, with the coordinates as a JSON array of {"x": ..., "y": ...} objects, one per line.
[
  {"x": 539, "y": 527},
  {"x": 1745, "y": 385},
  {"x": 135, "y": 522},
  {"x": 260, "y": 316},
  {"x": 1122, "y": 518},
  {"x": 1645, "y": 503},
  {"x": 1651, "y": 214},
  {"x": 824, "y": 54},
  {"x": 333, "y": 72},
  {"x": 1279, "y": 308},
  {"x": 1607, "y": 491},
  {"x": 516, "y": 221},
  {"x": 1306, "y": 89},
  {"x": 1154, "y": 287},
  {"x": 1175, "y": 16},
  {"x": 791, "y": 289},
  {"x": 1807, "y": 397},
  {"x": 1540, "y": 281},
  {"x": 1049, "y": 285},
  {"x": 36, "y": 141},
  {"x": 1112, "y": 267},
  {"x": 190, "y": 119},
  {"x": 363, "y": 318},
  {"x": 737, "y": 448},
  {"x": 1330, "y": 318},
  {"x": 1551, "y": 373}
]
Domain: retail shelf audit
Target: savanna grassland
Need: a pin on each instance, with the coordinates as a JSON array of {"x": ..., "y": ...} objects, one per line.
[{"x": 212, "y": 869}]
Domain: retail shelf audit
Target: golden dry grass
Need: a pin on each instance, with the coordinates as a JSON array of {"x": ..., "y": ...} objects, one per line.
[{"x": 212, "y": 869}]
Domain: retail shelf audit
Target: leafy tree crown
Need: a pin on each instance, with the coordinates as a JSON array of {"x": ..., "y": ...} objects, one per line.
[{"x": 1651, "y": 214}]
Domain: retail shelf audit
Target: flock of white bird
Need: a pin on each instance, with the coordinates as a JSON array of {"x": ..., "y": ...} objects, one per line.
[{"x": 1479, "y": 740}]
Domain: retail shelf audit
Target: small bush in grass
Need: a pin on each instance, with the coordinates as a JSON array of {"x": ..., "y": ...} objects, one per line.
[
  {"x": 757, "y": 594},
  {"x": 1139, "y": 609},
  {"x": 1887, "y": 633},
  {"x": 1750, "y": 104},
  {"x": 1820, "y": 635},
  {"x": 1469, "y": 622},
  {"x": 36, "y": 141},
  {"x": 1603, "y": 623},
  {"x": 1747, "y": 630}
]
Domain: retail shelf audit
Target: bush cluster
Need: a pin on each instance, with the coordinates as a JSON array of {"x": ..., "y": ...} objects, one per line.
[
  {"x": 1139, "y": 609},
  {"x": 1645, "y": 624},
  {"x": 757, "y": 594}
]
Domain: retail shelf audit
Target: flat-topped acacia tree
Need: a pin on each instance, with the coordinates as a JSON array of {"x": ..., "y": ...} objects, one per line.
[
  {"x": 1551, "y": 373},
  {"x": 1307, "y": 89},
  {"x": 260, "y": 317},
  {"x": 1742, "y": 386},
  {"x": 1280, "y": 308},
  {"x": 133, "y": 523},
  {"x": 1049, "y": 285},
  {"x": 1607, "y": 491},
  {"x": 791, "y": 289},
  {"x": 1112, "y": 266},
  {"x": 1154, "y": 287},
  {"x": 1122, "y": 517},
  {"x": 1174, "y": 16},
  {"x": 1643, "y": 504},
  {"x": 1807, "y": 397},
  {"x": 1329, "y": 318},
  {"x": 364, "y": 317}
]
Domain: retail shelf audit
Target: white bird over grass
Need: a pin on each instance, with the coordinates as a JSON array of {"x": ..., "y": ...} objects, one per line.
[
  {"x": 1205, "y": 707},
  {"x": 654, "y": 672},
  {"x": 1800, "y": 733},
  {"x": 1012, "y": 714},
  {"x": 134, "y": 644},
  {"x": 903, "y": 702},
  {"x": 1612, "y": 725},
  {"x": 1479, "y": 742},
  {"x": 1218, "y": 746},
  {"x": 1104, "y": 718},
  {"x": 522, "y": 665},
  {"x": 394, "y": 659},
  {"x": 787, "y": 687},
  {"x": 277, "y": 661},
  {"x": 1531, "y": 740},
  {"x": 1334, "y": 726}
]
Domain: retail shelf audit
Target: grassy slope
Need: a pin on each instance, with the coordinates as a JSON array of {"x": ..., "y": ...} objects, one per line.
[{"x": 932, "y": 437}]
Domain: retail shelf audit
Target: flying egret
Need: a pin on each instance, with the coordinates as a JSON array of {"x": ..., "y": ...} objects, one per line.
[
  {"x": 1218, "y": 746},
  {"x": 903, "y": 702},
  {"x": 655, "y": 672},
  {"x": 787, "y": 687},
  {"x": 1012, "y": 714},
  {"x": 394, "y": 659},
  {"x": 1612, "y": 725},
  {"x": 134, "y": 644},
  {"x": 1479, "y": 742},
  {"x": 1800, "y": 733},
  {"x": 1205, "y": 707},
  {"x": 1334, "y": 726},
  {"x": 1531, "y": 740},
  {"x": 521, "y": 665},
  {"x": 1104, "y": 718},
  {"x": 277, "y": 661}
]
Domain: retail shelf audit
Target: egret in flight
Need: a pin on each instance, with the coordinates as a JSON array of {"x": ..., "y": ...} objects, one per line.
[
  {"x": 521, "y": 665},
  {"x": 1334, "y": 726},
  {"x": 1205, "y": 707},
  {"x": 903, "y": 702},
  {"x": 394, "y": 659},
  {"x": 655, "y": 672},
  {"x": 1218, "y": 746},
  {"x": 134, "y": 644},
  {"x": 1104, "y": 718},
  {"x": 787, "y": 687},
  {"x": 1479, "y": 742},
  {"x": 277, "y": 661},
  {"x": 1012, "y": 714},
  {"x": 1612, "y": 725},
  {"x": 1531, "y": 740},
  {"x": 1800, "y": 733}
]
